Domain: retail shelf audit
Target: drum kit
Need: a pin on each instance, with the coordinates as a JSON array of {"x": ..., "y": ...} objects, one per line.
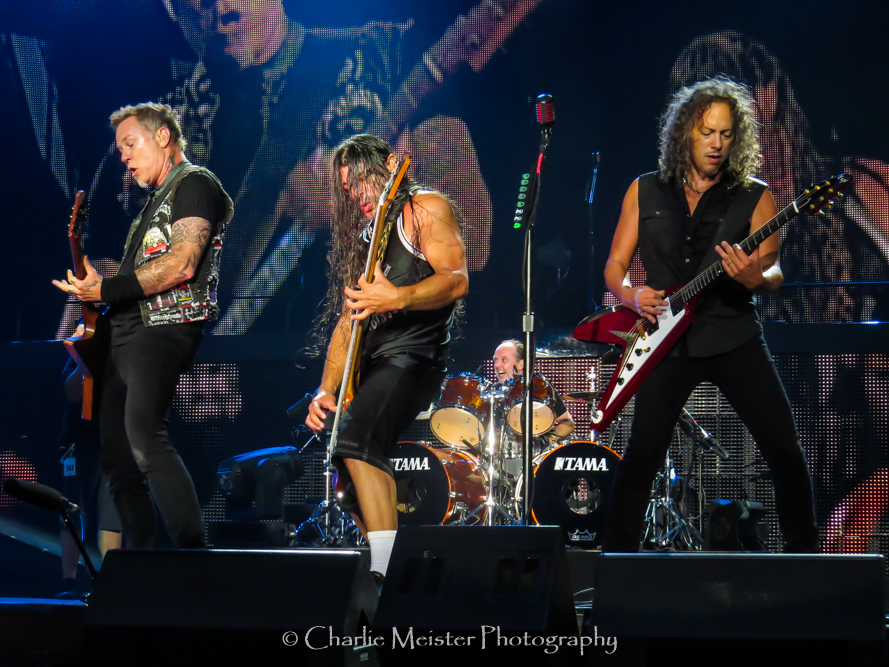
[{"x": 473, "y": 475}]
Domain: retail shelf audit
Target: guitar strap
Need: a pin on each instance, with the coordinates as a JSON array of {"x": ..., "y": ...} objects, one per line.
[{"x": 736, "y": 221}]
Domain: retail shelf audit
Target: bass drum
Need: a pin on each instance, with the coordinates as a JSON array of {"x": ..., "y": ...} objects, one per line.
[
  {"x": 461, "y": 416},
  {"x": 572, "y": 484},
  {"x": 436, "y": 485}
]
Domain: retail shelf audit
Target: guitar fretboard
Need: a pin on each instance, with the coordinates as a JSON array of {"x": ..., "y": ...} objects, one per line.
[{"x": 748, "y": 245}]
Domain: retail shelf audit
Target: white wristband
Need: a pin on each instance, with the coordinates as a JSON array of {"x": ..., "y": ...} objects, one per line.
[{"x": 636, "y": 299}]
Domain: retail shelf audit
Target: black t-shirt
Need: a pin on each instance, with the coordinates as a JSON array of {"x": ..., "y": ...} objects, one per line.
[{"x": 197, "y": 196}]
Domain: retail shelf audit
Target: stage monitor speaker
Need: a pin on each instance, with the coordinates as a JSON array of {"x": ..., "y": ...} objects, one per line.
[
  {"x": 229, "y": 607},
  {"x": 465, "y": 579},
  {"x": 823, "y": 604}
]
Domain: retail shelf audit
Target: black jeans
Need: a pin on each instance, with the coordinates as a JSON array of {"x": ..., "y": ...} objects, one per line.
[
  {"x": 138, "y": 458},
  {"x": 748, "y": 379}
]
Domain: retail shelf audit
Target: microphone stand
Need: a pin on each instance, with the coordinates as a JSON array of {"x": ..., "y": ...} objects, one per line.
[
  {"x": 528, "y": 327},
  {"x": 46, "y": 498},
  {"x": 592, "y": 281},
  {"x": 80, "y": 547}
]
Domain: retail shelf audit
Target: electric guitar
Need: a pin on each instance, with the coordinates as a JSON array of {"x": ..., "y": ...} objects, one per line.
[
  {"x": 644, "y": 343},
  {"x": 381, "y": 230},
  {"x": 90, "y": 348}
]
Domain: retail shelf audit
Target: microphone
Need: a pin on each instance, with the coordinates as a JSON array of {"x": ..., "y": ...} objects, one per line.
[
  {"x": 38, "y": 495},
  {"x": 694, "y": 430},
  {"x": 546, "y": 110}
]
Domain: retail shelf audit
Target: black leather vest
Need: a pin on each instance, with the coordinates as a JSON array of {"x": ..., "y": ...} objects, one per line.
[{"x": 673, "y": 251}]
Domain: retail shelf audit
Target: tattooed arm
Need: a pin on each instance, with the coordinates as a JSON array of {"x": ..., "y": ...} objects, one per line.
[{"x": 187, "y": 243}]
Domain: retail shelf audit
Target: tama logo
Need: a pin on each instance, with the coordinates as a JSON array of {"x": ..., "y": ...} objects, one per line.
[
  {"x": 582, "y": 536},
  {"x": 418, "y": 463},
  {"x": 580, "y": 463}
]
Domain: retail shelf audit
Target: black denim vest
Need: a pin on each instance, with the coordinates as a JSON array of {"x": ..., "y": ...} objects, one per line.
[{"x": 195, "y": 299}]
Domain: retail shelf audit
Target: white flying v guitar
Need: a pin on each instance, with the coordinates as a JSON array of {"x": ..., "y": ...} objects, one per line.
[{"x": 644, "y": 343}]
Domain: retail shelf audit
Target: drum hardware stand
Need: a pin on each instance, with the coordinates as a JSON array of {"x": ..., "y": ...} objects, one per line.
[
  {"x": 492, "y": 503},
  {"x": 615, "y": 426},
  {"x": 329, "y": 522},
  {"x": 701, "y": 441},
  {"x": 665, "y": 527}
]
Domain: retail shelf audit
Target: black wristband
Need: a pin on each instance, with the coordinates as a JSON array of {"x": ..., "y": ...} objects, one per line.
[{"x": 122, "y": 287}]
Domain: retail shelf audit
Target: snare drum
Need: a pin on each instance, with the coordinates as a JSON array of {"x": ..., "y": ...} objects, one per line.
[
  {"x": 461, "y": 415},
  {"x": 572, "y": 487},
  {"x": 436, "y": 485},
  {"x": 543, "y": 398}
]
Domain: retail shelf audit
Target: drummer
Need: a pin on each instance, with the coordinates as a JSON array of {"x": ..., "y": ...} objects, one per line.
[{"x": 509, "y": 360}]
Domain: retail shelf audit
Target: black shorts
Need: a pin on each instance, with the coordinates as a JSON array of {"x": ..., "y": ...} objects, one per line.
[{"x": 389, "y": 397}]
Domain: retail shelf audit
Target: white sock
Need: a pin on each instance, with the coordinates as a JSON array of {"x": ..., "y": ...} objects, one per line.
[{"x": 381, "y": 542}]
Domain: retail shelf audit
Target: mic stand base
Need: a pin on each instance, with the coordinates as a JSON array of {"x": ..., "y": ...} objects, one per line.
[{"x": 82, "y": 549}]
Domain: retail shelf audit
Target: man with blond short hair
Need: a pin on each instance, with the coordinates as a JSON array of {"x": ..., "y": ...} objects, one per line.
[{"x": 163, "y": 293}]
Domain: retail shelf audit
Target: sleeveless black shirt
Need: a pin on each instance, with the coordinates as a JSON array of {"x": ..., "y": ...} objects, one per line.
[
  {"x": 419, "y": 333},
  {"x": 675, "y": 246}
]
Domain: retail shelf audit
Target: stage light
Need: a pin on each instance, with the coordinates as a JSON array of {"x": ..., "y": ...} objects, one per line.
[{"x": 253, "y": 483}]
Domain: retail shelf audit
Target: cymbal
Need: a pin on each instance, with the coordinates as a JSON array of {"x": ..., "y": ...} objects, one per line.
[{"x": 586, "y": 396}]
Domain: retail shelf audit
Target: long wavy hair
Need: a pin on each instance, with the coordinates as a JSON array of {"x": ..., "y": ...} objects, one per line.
[
  {"x": 792, "y": 163},
  {"x": 365, "y": 155},
  {"x": 687, "y": 107}
]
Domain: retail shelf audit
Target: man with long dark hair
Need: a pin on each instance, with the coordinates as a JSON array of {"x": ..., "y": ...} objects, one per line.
[
  {"x": 408, "y": 311},
  {"x": 705, "y": 198}
]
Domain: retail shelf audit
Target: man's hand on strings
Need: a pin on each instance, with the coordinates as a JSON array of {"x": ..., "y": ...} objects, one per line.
[
  {"x": 380, "y": 296},
  {"x": 323, "y": 403},
  {"x": 740, "y": 266},
  {"x": 88, "y": 289}
]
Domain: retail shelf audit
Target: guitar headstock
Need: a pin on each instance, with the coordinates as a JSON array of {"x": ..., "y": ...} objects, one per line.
[
  {"x": 385, "y": 201},
  {"x": 392, "y": 185},
  {"x": 819, "y": 198},
  {"x": 78, "y": 213}
]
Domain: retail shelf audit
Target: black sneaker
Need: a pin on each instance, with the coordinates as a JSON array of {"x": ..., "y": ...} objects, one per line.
[{"x": 69, "y": 591}]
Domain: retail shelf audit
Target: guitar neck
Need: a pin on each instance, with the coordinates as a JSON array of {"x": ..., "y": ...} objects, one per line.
[
  {"x": 748, "y": 245},
  {"x": 78, "y": 212},
  {"x": 77, "y": 257},
  {"x": 472, "y": 39}
]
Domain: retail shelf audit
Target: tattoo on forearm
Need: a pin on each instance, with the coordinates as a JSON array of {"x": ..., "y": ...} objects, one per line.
[{"x": 187, "y": 242}]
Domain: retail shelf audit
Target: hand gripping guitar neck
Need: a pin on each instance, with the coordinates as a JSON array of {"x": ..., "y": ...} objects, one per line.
[{"x": 645, "y": 344}]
